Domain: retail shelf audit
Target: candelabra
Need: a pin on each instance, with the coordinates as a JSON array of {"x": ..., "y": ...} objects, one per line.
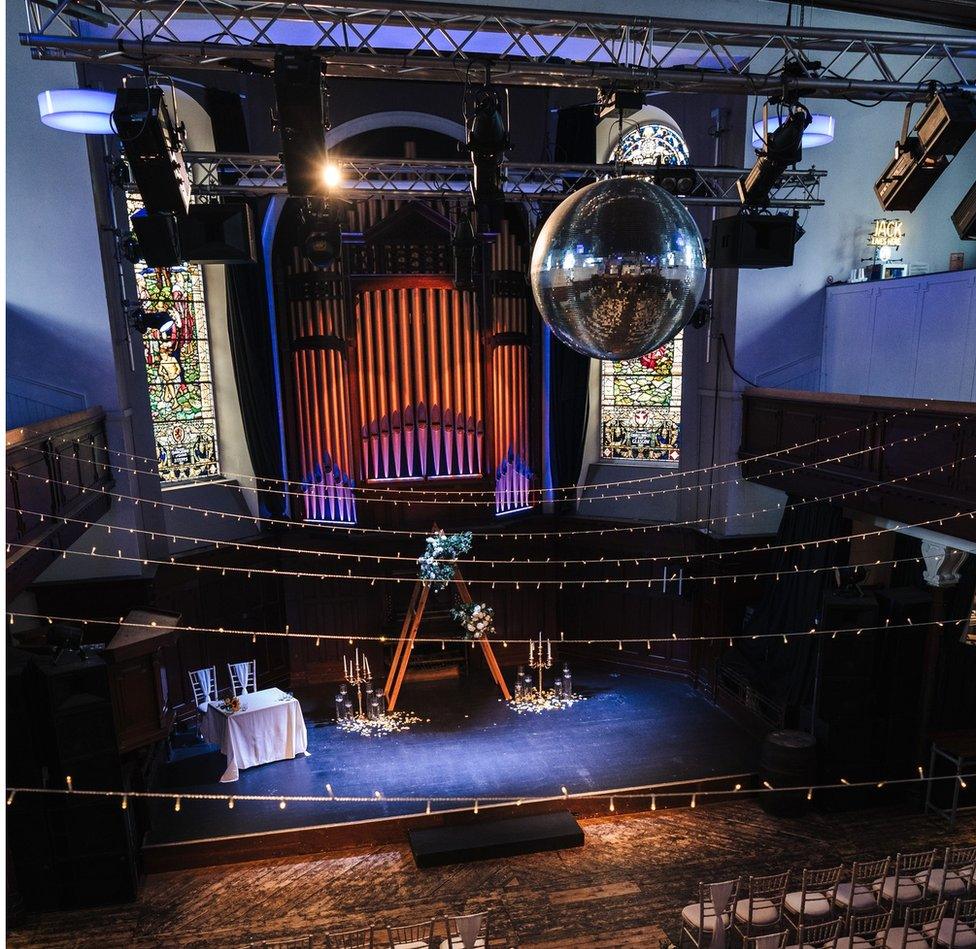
[
  {"x": 540, "y": 660},
  {"x": 358, "y": 675}
]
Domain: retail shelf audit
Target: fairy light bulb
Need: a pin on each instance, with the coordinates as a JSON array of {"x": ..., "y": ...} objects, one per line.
[
  {"x": 612, "y": 807},
  {"x": 230, "y": 803},
  {"x": 282, "y": 804},
  {"x": 10, "y": 798},
  {"x": 177, "y": 805},
  {"x": 125, "y": 802}
]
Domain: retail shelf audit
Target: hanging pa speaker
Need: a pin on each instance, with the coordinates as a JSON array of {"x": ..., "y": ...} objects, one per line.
[
  {"x": 301, "y": 120},
  {"x": 219, "y": 234},
  {"x": 753, "y": 241},
  {"x": 158, "y": 238}
]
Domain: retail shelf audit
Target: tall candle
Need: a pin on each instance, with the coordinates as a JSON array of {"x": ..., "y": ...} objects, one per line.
[
  {"x": 345, "y": 667},
  {"x": 549, "y": 650}
]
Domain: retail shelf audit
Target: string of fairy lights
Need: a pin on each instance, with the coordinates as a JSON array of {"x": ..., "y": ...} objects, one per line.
[
  {"x": 651, "y": 794},
  {"x": 355, "y": 638},
  {"x": 686, "y": 558},
  {"x": 576, "y": 532},
  {"x": 414, "y": 491},
  {"x": 537, "y": 582},
  {"x": 452, "y": 500}
]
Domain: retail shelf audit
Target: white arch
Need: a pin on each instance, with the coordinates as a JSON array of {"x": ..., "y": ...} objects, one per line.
[
  {"x": 608, "y": 130},
  {"x": 382, "y": 120}
]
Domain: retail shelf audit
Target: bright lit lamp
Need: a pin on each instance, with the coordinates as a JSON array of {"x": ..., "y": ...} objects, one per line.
[
  {"x": 820, "y": 131},
  {"x": 77, "y": 110},
  {"x": 332, "y": 175}
]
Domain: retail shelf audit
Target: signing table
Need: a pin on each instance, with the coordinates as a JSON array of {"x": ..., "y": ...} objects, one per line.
[{"x": 268, "y": 727}]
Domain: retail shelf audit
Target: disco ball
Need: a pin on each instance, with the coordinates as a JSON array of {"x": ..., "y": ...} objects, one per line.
[{"x": 618, "y": 268}]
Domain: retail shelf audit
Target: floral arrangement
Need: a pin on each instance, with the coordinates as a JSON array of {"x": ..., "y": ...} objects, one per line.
[
  {"x": 231, "y": 705},
  {"x": 478, "y": 619},
  {"x": 437, "y": 562},
  {"x": 387, "y": 724}
]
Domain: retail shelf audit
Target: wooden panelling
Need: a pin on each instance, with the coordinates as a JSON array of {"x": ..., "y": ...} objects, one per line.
[{"x": 891, "y": 443}]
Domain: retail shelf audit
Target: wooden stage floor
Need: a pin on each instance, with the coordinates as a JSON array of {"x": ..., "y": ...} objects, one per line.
[
  {"x": 624, "y": 888},
  {"x": 632, "y": 729}
]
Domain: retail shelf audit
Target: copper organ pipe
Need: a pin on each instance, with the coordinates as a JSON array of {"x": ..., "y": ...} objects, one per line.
[
  {"x": 366, "y": 301},
  {"x": 421, "y": 402}
]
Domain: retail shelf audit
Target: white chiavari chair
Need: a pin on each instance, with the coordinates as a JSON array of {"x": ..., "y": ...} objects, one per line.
[
  {"x": 350, "y": 939},
  {"x": 243, "y": 676},
  {"x": 863, "y": 929},
  {"x": 411, "y": 936},
  {"x": 204, "y": 685},
  {"x": 954, "y": 878},
  {"x": 818, "y": 935},
  {"x": 959, "y": 932}
]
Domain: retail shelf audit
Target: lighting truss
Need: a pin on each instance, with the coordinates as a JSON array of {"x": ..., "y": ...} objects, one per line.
[
  {"x": 444, "y": 42},
  {"x": 365, "y": 178}
]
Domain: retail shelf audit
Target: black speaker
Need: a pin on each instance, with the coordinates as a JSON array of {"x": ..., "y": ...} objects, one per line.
[
  {"x": 964, "y": 217},
  {"x": 576, "y": 135},
  {"x": 153, "y": 149},
  {"x": 302, "y": 120},
  {"x": 158, "y": 236},
  {"x": 219, "y": 234},
  {"x": 752, "y": 241}
]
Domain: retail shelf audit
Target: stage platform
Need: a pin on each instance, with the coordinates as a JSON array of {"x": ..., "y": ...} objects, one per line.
[{"x": 632, "y": 729}]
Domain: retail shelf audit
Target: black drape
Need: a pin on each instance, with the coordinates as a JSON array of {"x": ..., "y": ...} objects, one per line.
[
  {"x": 569, "y": 401},
  {"x": 250, "y": 343},
  {"x": 784, "y": 671}
]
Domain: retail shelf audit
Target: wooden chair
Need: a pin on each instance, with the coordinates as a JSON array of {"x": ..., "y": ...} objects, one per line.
[
  {"x": 858, "y": 896},
  {"x": 819, "y": 935},
  {"x": 350, "y": 939},
  {"x": 204, "y": 685},
  {"x": 922, "y": 925},
  {"x": 763, "y": 908},
  {"x": 698, "y": 919},
  {"x": 814, "y": 901},
  {"x": 862, "y": 930},
  {"x": 959, "y": 932},
  {"x": 286, "y": 942},
  {"x": 909, "y": 883},
  {"x": 411, "y": 936},
  {"x": 467, "y": 932},
  {"x": 243, "y": 676},
  {"x": 954, "y": 878}
]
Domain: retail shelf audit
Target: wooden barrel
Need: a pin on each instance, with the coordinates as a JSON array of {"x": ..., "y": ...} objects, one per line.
[{"x": 788, "y": 760}]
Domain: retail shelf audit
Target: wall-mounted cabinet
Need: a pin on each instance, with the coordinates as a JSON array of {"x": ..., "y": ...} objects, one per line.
[{"x": 911, "y": 337}]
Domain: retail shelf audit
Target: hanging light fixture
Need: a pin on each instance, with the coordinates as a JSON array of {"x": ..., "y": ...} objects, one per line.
[
  {"x": 820, "y": 131},
  {"x": 77, "y": 110}
]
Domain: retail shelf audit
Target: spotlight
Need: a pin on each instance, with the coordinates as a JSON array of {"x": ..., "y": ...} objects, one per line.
[
  {"x": 143, "y": 321},
  {"x": 702, "y": 315},
  {"x": 321, "y": 235},
  {"x": 920, "y": 157},
  {"x": 302, "y": 119},
  {"x": 332, "y": 175},
  {"x": 153, "y": 147},
  {"x": 964, "y": 217},
  {"x": 675, "y": 179},
  {"x": 784, "y": 147},
  {"x": 463, "y": 245},
  {"x": 487, "y": 141}
]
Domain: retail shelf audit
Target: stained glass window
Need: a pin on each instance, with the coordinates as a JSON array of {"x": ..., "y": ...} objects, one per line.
[
  {"x": 647, "y": 143},
  {"x": 640, "y": 405},
  {"x": 640, "y": 399},
  {"x": 178, "y": 370}
]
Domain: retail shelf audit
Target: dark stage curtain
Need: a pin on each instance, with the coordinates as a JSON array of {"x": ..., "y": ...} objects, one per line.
[
  {"x": 250, "y": 343},
  {"x": 784, "y": 671},
  {"x": 569, "y": 402}
]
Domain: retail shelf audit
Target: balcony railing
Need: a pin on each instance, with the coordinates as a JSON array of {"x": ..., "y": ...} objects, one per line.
[{"x": 49, "y": 466}]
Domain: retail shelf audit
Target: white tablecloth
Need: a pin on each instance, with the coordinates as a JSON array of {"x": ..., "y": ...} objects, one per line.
[{"x": 269, "y": 727}]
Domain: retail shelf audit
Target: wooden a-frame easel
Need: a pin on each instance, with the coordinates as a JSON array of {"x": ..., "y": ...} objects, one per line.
[{"x": 408, "y": 633}]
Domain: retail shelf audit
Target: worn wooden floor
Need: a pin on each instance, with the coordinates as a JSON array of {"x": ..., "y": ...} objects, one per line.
[{"x": 624, "y": 888}]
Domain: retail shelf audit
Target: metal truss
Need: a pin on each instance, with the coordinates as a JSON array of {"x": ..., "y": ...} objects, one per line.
[
  {"x": 364, "y": 179},
  {"x": 381, "y": 39}
]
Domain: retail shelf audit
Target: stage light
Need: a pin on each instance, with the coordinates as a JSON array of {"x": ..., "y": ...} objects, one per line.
[
  {"x": 784, "y": 147},
  {"x": 153, "y": 147},
  {"x": 820, "y": 131},
  {"x": 943, "y": 128},
  {"x": 77, "y": 110},
  {"x": 302, "y": 120},
  {"x": 321, "y": 235},
  {"x": 964, "y": 217},
  {"x": 487, "y": 141},
  {"x": 332, "y": 175}
]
